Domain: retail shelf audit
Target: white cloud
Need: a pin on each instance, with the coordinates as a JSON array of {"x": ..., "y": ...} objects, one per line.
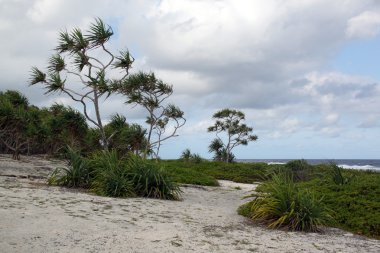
[
  {"x": 269, "y": 58},
  {"x": 364, "y": 25}
]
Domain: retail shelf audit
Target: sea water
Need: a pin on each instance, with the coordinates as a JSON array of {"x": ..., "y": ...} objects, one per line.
[{"x": 359, "y": 164}]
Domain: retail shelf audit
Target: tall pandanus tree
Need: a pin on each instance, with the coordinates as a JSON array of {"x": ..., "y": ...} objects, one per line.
[
  {"x": 81, "y": 68},
  {"x": 163, "y": 120}
]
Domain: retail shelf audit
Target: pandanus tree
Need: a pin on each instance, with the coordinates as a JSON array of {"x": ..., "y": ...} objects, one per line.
[
  {"x": 81, "y": 68},
  {"x": 229, "y": 121},
  {"x": 163, "y": 121}
]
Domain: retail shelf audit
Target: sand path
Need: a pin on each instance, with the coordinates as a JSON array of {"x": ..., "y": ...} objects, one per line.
[{"x": 38, "y": 218}]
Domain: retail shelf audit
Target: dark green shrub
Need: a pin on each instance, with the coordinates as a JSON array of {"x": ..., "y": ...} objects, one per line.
[
  {"x": 299, "y": 169},
  {"x": 149, "y": 180},
  {"x": 112, "y": 177},
  {"x": 281, "y": 204},
  {"x": 77, "y": 174}
]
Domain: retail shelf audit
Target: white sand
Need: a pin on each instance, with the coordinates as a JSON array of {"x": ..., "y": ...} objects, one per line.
[{"x": 38, "y": 218}]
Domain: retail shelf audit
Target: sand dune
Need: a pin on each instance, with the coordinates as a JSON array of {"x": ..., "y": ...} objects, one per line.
[{"x": 37, "y": 218}]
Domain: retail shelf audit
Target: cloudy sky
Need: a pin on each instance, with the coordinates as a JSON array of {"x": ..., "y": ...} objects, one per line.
[{"x": 306, "y": 73}]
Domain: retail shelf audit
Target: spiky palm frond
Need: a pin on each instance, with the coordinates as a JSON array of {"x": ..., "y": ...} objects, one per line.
[
  {"x": 37, "y": 76},
  {"x": 56, "y": 63},
  {"x": 124, "y": 60},
  {"x": 80, "y": 60},
  {"x": 54, "y": 83},
  {"x": 99, "y": 33},
  {"x": 65, "y": 42},
  {"x": 173, "y": 112},
  {"x": 80, "y": 42}
]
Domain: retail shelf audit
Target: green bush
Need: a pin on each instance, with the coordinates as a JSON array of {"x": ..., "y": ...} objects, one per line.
[
  {"x": 77, "y": 174},
  {"x": 299, "y": 169},
  {"x": 149, "y": 180},
  {"x": 112, "y": 177},
  {"x": 356, "y": 204},
  {"x": 280, "y": 203}
]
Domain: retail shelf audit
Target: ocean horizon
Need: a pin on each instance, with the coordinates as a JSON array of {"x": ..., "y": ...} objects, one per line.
[{"x": 359, "y": 164}]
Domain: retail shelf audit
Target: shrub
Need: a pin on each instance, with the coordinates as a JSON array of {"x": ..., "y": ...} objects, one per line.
[
  {"x": 77, "y": 174},
  {"x": 149, "y": 180},
  {"x": 281, "y": 204},
  {"x": 299, "y": 169},
  {"x": 112, "y": 178},
  {"x": 187, "y": 156}
]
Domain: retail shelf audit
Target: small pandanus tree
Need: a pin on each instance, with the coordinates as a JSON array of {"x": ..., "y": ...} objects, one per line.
[
  {"x": 163, "y": 121},
  {"x": 229, "y": 121},
  {"x": 84, "y": 58}
]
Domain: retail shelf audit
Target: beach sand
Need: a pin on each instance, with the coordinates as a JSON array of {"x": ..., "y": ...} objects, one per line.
[{"x": 35, "y": 217}]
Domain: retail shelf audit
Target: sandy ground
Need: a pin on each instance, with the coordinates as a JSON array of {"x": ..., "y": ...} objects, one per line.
[{"x": 37, "y": 218}]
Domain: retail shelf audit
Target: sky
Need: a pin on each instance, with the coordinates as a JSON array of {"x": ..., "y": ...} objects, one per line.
[{"x": 305, "y": 73}]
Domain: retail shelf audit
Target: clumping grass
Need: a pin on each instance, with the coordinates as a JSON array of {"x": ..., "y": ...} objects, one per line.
[
  {"x": 151, "y": 181},
  {"x": 280, "y": 204},
  {"x": 108, "y": 175},
  {"x": 76, "y": 174},
  {"x": 112, "y": 177}
]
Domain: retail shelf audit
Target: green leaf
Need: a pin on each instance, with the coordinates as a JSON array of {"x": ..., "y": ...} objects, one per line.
[
  {"x": 37, "y": 76},
  {"x": 56, "y": 63},
  {"x": 99, "y": 33}
]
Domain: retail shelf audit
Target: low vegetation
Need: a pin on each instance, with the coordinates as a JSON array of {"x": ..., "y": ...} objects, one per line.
[
  {"x": 280, "y": 203},
  {"x": 329, "y": 195},
  {"x": 105, "y": 174},
  {"x": 207, "y": 172}
]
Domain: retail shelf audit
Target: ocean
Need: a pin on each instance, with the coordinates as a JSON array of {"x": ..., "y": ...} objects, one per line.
[{"x": 359, "y": 164}]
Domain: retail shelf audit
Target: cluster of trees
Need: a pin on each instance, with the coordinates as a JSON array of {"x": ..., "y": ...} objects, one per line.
[
  {"x": 82, "y": 68},
  {"x": 27, "y": 129}
]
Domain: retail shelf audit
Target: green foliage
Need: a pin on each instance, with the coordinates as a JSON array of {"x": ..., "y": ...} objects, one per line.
[
  {"x": 145, "y": 90},
  {"x": 205, "y": 172},
  {"x": 220, "y": 152},
  {"x": 189, "y": 157},
  {"x": 19, "y": 123},
  {"x": 337, "y": 175},
  {"x": 111, "y": 176},
  {"x": 124, "y": 137},
  {"x": 356, "y": 204},
  {"x": 90, "y": 62},
  {"x": 238, "y": 133},
  {"x": 300, "y": 170},
  {"x": 76, "y": 174},
  {"x": 108, "y": 175},
  {"x": 280, "y": 203},
  {"x": 151, "y": 181}
]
